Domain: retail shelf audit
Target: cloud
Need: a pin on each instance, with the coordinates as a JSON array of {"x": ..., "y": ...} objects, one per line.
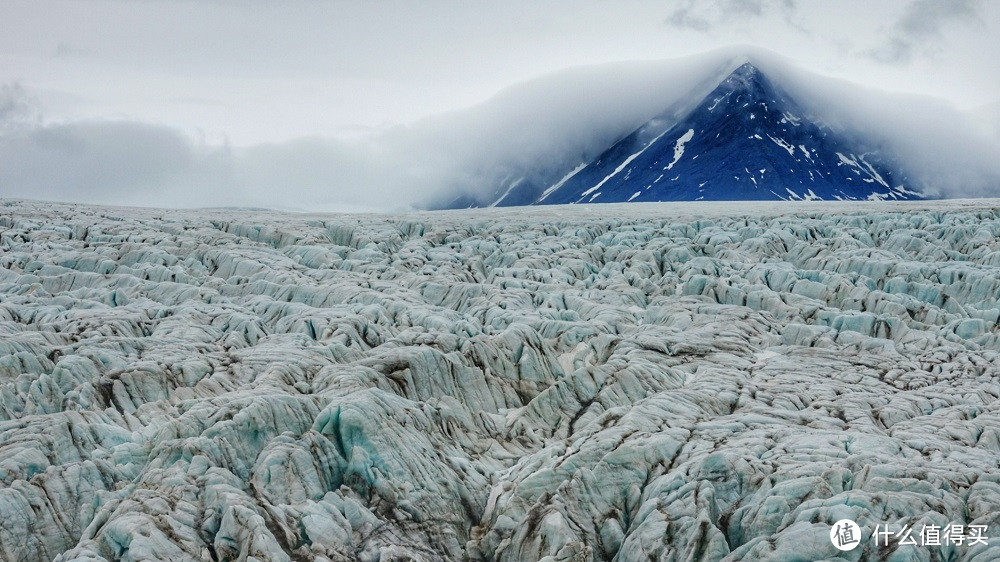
[
  {"x": 141, "y": 164},
  {"x": 536, "y": 126},
  {"x": 988, "y": 118},
  {"x": 704, "y": 16},
  {"x": 18, "y": 109},
  {"x": 921, "y": 26},
  {"x": 539, "y": 128},
  {"x": 111, "y": 162}
]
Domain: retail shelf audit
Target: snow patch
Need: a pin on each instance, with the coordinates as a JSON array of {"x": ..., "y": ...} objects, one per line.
[
  {"x": 622, "y": 166},
  {"x": 679, "y": 147},
  {"x": 506, "y": 193},
  {"x": 561, "y": 182},
  {"x": 783, "y": 144}
]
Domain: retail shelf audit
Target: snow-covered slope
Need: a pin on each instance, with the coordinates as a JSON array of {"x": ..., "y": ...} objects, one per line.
[{"x": 585, "y": 382}]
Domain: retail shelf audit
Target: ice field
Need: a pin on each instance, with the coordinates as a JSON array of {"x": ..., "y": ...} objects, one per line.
[{"x": 699, "y": 381}]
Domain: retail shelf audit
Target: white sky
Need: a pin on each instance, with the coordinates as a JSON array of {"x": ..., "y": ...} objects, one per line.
[{"x": 258, "y": 72}]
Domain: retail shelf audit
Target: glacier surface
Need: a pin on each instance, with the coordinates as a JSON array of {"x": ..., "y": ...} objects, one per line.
[{"x": 614, "y": 382}]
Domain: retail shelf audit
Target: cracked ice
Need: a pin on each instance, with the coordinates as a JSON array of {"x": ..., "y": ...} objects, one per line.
[{"x": 635, "y": 382}]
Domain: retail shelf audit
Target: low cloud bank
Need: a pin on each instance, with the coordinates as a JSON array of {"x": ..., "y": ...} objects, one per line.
[{"x": 549, "y": 123}]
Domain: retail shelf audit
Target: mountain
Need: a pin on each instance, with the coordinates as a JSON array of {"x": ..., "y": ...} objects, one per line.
[{"x": 747, "y": 139}]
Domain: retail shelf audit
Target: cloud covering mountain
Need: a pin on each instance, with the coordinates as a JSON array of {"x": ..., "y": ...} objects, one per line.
[{"x": 530, "y": 126}]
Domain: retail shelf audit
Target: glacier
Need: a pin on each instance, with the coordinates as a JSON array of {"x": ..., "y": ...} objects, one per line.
[{"x": 683, "y": 381}]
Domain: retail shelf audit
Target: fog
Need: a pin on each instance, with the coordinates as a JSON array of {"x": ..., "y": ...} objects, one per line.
[{"x": 548, "y": 123}]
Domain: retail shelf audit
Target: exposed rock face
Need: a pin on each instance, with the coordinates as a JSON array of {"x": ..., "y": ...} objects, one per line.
[{"x": 564, "y": 384}]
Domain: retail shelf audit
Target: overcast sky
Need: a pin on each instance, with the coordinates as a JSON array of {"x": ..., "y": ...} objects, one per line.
[{"x": 257, "y": 74}]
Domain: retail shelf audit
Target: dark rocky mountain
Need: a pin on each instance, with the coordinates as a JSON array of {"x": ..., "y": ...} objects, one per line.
[{"x": 746, "y": 140}]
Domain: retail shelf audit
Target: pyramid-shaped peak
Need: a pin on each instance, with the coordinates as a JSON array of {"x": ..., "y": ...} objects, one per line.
[
  {"x": 744, "y": 75},
  {"x": 746, "y": 139},
  {"x": 746, "y": 69},
  {"x": 748, "y": 80}
]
